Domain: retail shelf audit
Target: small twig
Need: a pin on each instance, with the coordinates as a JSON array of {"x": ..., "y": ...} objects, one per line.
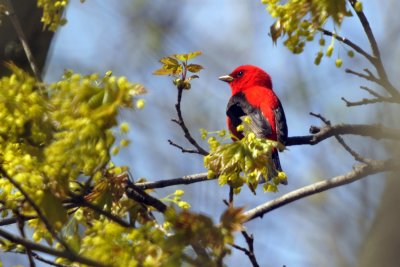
[
  {"x": 377, "y": 62},
  {"x": 230, "y": 196},
  {"x": 138, "y": 194},
  {"x": 188, "y": 179},
  {"x": 359, "y": 171},
  {"x": 319, "y": 134},
  {"x": 372, "y": 92},
  {"x": 341, "y": 141},
  {"x": 346, "y": 41},
  {"x": 185, "y": 130},
  {"x": 81, "y": 202},
  {"x": 13, "y": 220},
  {"x": 48, "y": 250},
  {"x": 184, "y": 150},
  {"x": 366, "y": 101},
  {"x": 369, "y": 77},
  {"x": 39, "y": 258},
  {"x": 22, "y": 38},
  {"x": 355, "y": 155},
  {"x": 250, "y": 251},
  {"x": 21, "y": 226}
]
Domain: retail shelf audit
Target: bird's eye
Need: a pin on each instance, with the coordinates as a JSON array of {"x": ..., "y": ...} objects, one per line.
[{"x": 239, "y": 74}]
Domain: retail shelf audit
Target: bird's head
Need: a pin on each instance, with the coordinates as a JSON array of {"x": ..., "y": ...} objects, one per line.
[{"x": 245, "y": 77}]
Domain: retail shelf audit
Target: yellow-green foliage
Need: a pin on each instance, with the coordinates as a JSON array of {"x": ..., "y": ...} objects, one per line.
[
  {"x": 299, "y": 20},
  {"x": 245, "y": 161},
  {"x": 53, "y": 13},
  {"x": 53, "y": 135},
  {"x": 56, "y": 139}
]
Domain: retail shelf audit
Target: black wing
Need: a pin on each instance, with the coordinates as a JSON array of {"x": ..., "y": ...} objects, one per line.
[
  {"x": 280, "y": 122},
  {"x": 238, "y": 107}
]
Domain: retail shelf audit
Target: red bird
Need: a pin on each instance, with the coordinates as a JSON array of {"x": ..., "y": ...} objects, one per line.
[{"x": 252, "y": 96}]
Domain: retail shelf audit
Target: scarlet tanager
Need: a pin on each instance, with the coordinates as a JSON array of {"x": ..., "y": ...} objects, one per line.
[{"x": 252, "y": 96}]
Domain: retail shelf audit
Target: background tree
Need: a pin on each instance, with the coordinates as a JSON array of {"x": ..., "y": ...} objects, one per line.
[{"x": 159, "y": 31}]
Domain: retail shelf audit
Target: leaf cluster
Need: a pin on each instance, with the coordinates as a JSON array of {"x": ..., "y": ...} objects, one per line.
[
  {"x": 245, "y": 161},
  {"x": 300, "y": 20},
  {"x": 178, "y": 67}
]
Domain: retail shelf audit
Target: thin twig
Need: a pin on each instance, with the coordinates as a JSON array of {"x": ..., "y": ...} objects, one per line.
[
  {"x": 182, "y": 124},
  {"x": 138, "y": 194},
  {"x": 22, "y": 38},
  {"x": 40, "y": 258},
  {"x": 319, "y": 134},
  {"x": 81, "y": 202},
  {"x": 366, "y": 101},
  {"x": 48, "y": 250},
  {"x": 341, "y": 141},
  {"x": 346, "y": 41},
  {"x": 369, "y": 76},
  {"x": 372, "y": 92},
  {"x": 359, "y": 171},
  {"x": 184, "y": 150},
  {"x": 188, "y": 179},
  {"x": 21, "y": 226},
  {"x": 375, "y": 50}
]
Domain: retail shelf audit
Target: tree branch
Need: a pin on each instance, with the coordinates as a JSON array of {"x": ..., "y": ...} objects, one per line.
[
  {"x": 349, "y": 43},
  {"x": 185, "y": 130},
  {"x": 377, "y": 62},
  {"x": 341, "y": 141},
  {"x": 375, "y": 131},
  {"x": 22, "y": 38},
  {"x": 138, "y": 194},
  {"x": 250, "y": 251},
  {"x": 38, "y": 247},
  {"x": 359, "y": 171},
  {"x": 188, "y": 179}
]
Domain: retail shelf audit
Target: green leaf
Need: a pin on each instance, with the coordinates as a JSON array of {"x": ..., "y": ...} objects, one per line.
[
  {"x": 52, "y": 209},
  {"x": 169, "y": 61},
  {"x": 163, "y": 71},
  {"x": 184, "y": 57},
  {"x": 194, "y": 68}
]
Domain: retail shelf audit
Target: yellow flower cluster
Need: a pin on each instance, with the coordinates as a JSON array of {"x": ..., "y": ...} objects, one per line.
[
  {"x": 53, "y": 13},
  {"x": 50, "y": 136}
]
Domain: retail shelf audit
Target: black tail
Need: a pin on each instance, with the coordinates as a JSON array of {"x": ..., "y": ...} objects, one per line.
[
  {"x": 273, "y": 172},
  {"x": 277, "y": 165}
]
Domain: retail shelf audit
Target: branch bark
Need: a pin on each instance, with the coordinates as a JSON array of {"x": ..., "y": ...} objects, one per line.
[
  {"x": 359, "y": 171},
  {"x": 375, "y": 131}
]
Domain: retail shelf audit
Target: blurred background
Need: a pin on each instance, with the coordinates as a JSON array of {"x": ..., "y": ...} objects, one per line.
[{"x": 355, "y": 225}]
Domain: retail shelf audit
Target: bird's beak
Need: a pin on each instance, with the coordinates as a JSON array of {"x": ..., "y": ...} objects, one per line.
[{"x": 226, "y": 78}]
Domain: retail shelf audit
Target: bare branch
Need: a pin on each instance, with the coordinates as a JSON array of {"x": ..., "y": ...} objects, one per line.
[
  {"x": 369, "y": 76},
  {"x": 359, "y": 171},
  {"x": 372, "y": 92},
  {"x": 138, "y": 194},
  {"x": 22, "y": 38},
  {"x": 346, "y": 41},
  {"x": 184, "y": 150},
  {"x": 188, "y": 179},
  {"x": 185, "y": 130},
  {"x": 21, "y": 228},
  {"x": 341, "y": 141},
  {"x": 81, "y": 202},
  {"x": 377, "y": 62},
  {"x": 51, "y": 251},
  {"x": 375, "y": 131}
]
